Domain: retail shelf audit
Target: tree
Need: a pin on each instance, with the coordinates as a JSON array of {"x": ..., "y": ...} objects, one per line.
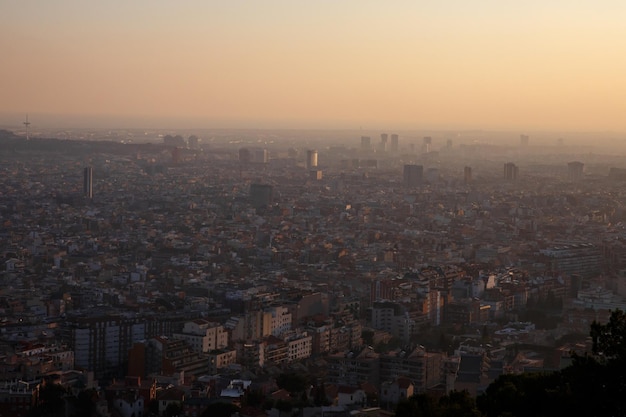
[
  {"x": 51, "y": 400},
  {"x": 220, "y": 409},
  {"x": 455, "y": 404},
  {"x": 368, "y": 337},
  {"x": 173, "y": 410},
  {"x": 609, "y": 340},
  {"x": 594, "y": 385},
  {"x": 292, "y": 382}
]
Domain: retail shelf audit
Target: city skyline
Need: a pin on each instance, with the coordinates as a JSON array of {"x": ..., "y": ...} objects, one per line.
[{"x": 406, "y": 65}]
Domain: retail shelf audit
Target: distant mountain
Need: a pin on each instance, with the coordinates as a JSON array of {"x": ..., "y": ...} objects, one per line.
[
  {"x": 8, "y": 135},
  {"x": 19, "y": 143}
]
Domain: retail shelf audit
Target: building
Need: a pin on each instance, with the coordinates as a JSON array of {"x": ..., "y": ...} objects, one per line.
[
  {"x": 392, "y": 392},
  {"x": 383, "y": 142},
  {"x": 467, "y": 175},
  {"x": 413, "y": 175},
  {"x": 131, "y": 396},
  {"x": 353, "y": 368},
  {"x": 166, "y": 356},
  {"x": 315, "y": 175},
  {"x": 219, "y": 359},
  {"x": 394, "y": 143},
  {"x": 276, "y": 320},
  {"x": 276, "y": 350},
  {"x": 299, "y": 346},
  {"x": 251, "y": 355},
  {"x": 395, "y": 319},
  {"x": 88, "y": 182},
  {"x": 101, "y": 343},
  {"x": 523, "y": 140},
  {"x": 203, "y": 336},
  {"x": 192, "y": 142},
  {"x": 17, "y": 398},
  {"x": 584, "y": 259},
  {"x": 427, "y": 144},
  {"x": 311, "y": 159},
  {"x": 575, "y": 171},
  {"x": 261, "y": 195},
  {"x": 366, "y": 143},
  {"x": 423, "y": 369},
  {"x": 511, "y": 171}
]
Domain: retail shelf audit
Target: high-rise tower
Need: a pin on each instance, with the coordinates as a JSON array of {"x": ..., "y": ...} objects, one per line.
[
  {"x": 511, "y": 171},
  {"x": 523, "y": 140},
  {"x": 26, "y": 124},
  {"x": 366, "y": 143},
  {"x": 467, "y": 175},
  {"x": 413, "y": 175},
  {"x": 311, "y": 159},
  {"x": 575, "y": 171},
  {"x": 394, "y": 143},
  {"x": 383, "y": 142},
  {"x": 88, "y": 182},
  {"x": 428, "y": 141}
]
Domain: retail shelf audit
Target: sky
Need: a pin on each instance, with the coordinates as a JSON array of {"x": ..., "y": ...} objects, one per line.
[{"x": 399, "y": 64}]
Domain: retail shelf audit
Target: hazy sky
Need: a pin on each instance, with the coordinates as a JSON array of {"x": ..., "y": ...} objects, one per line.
[{"x": 534, "y": 64}]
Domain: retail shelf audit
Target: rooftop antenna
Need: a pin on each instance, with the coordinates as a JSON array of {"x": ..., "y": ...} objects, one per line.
[{"x": 26, "y": 123}]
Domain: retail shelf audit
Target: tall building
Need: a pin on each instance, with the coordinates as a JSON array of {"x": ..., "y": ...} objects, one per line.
[
  {"x": 192, "y": 142},
  {"x": 311, "y": 159},
  {"x": 366, "y": 143},
  {"x": 523, "y": 140},
  {"x": 245, "y": 155},
  {"x": 88, "y": 182},
  {"x": 413, "y": 175},
  {"x": 261, "y": 194},
  {"x": 383, "y": 142},
  {"x": 315, "y": 174},
  {"x": 575, "y": 171},
  {"x": 428, "y": 141},
  {"x": 467, "y": 175},
  {"x": 511, "y": 171},
  {"x": 394, "y": 143},
  {"x": 101, "y": 343},
  {"x": 260, "y": 155}
]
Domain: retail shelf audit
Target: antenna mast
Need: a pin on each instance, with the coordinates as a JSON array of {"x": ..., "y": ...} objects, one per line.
[{"x": 26, "y": 124}]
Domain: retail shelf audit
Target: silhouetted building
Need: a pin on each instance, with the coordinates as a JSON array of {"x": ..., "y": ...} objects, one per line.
[
  {"x": 394, "y": 143},
  {"x": 175, "y": 155},
  {"x": 618, "y": 174},
  {"x": 366, "y": 143},
  {"x": 177, "y": 140},
  {"x": 428, "y": 141},
  {"x": 467, "y": 175},
  {"x": 261, "y": 194},
  {"x": 413, "y": 175},
  {"x": 383, "y": 142},
  {"x": 88, "y": 182},
  {"x": 523, "y": 140},
  {"x": 259, "y": 155},
  {"x": 311, "y": 159},
  {"x": 244, "y": 155},
  {"x": 315, "y": 175},
  {"x": 575, "y": 171},
  {"x": 192, "y": 142},
  {"x": 511, "y": 171}
]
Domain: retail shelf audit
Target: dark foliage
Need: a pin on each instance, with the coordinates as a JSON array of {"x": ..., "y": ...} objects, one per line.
[{"x": 220, "y": 410}]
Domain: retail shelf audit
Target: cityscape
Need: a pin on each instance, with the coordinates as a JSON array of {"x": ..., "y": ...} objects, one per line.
[
  {"x": 312, "y": 209},
  {"x": 193, "y": 270}
]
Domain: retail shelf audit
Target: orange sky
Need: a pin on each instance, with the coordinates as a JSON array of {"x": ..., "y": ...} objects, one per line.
[{"x": 402, "y": 64}]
